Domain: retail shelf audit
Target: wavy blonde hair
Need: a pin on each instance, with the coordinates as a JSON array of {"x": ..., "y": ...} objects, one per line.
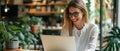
[{"x": 68, "y": 25}]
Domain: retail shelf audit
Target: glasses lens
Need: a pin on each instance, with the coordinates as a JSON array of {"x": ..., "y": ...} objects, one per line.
[{"x": 75, "y": 14}]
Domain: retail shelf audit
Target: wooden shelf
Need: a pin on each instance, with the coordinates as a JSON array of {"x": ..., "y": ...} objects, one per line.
[
  {"x": 44, "y": 9},
  {"x": 64, "y": 3},
  {"x": 44, "y": 13},
  {"x": 33, "y": 4},
  {"x": 35, "y": 12},
  {"x": 49, "y": 4}
]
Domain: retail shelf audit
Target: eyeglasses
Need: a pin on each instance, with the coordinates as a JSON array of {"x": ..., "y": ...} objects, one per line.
[{"x": 75, "y": 14}]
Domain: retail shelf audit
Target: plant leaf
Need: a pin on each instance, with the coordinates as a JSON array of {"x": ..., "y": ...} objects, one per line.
[{"x": 21, "y": 36}]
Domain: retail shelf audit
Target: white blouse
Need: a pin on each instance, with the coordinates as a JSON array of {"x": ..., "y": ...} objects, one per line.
[{"x": 85, "y": 38}]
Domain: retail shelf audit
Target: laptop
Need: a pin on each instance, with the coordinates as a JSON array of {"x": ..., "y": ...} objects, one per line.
[{"x": 58, "y": 43}]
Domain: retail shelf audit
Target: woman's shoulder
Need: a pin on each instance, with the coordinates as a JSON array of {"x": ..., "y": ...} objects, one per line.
[
  {"x": 92, "y": 28},
  {"x": 92, "y": 25}
]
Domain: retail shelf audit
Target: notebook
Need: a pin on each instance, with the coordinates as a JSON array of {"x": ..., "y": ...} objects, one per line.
[{"x": 58, "y": 43}]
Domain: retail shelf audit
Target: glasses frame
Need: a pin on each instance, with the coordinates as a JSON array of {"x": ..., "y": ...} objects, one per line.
[{"x": 75, "y": 14}]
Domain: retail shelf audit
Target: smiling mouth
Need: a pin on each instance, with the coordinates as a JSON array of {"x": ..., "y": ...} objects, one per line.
[{"x": 75, "y": 20}]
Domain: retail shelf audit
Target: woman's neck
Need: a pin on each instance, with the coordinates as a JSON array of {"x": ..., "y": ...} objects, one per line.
[{"x": 79, "y": 26}]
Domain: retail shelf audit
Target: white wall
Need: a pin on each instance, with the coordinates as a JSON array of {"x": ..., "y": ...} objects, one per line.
[{"x": 119, "y": 13}]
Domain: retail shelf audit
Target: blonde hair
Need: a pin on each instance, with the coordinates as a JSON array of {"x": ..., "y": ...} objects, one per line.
[{"x": 68, "y": 25}]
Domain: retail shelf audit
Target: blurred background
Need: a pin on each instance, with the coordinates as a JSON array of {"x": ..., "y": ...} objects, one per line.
[{"x": 47, "y": 16}]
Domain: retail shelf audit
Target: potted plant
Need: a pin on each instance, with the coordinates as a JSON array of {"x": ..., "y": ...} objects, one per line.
[
  {"x": 34, "y": 23},
  {"x": 113, "y": 40},
  {"x": 11, "y": 40},
  {"x": 13, "y": 33},
  {"x": 10, "y": 37},
  {"x": 29, "y": 37}
]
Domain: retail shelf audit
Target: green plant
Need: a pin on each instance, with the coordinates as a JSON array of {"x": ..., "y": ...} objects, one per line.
[
  {"x": 113, "y": 40},
  {"x": 35, "y": 23},
  {"x": 29, "y": 22},
  {"x": 34, "y": 20},
  {"x": 29, "y": 37},
  {"x": 8, "y": 35},
  {"x": 12, "y": 32},
  {"x": 1, "y": 39}
]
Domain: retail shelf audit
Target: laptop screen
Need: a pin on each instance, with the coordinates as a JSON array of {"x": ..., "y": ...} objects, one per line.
[{"x": 58, "y": 43}]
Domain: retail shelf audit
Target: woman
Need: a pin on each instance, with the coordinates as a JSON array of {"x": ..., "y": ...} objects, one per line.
[{"x": 76, "y": 24}]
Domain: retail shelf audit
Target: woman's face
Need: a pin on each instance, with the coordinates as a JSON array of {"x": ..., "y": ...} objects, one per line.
[{"x": 75, "y": 15}]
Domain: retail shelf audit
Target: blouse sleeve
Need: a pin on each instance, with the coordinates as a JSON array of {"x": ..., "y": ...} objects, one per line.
[{"x": 93, "y": 39}]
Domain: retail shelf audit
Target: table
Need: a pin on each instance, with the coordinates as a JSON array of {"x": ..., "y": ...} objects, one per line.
[{"x": 32, "y": 50}]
